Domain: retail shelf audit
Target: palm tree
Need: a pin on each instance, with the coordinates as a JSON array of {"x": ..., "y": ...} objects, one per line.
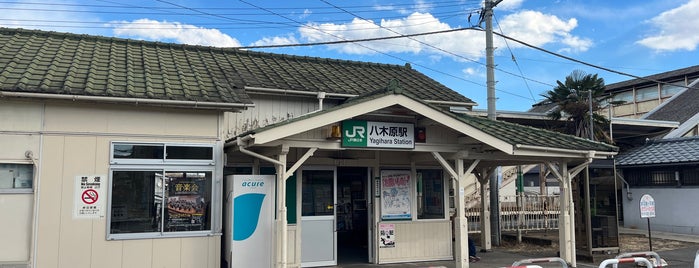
[{"x": 572, "y": 99}]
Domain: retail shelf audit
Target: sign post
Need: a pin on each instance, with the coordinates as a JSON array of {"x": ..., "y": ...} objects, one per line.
[{"x": 647, "y": 204}]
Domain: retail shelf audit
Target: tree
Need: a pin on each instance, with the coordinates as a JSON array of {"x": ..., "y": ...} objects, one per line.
[{"x": 572, "y": 99}]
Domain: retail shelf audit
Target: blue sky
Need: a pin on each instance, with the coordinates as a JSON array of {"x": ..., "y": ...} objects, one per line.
[{"x": 636, "y": 37}]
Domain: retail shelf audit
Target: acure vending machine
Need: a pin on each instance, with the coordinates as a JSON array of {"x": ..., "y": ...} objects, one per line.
[{"x": 249, "y": 220}]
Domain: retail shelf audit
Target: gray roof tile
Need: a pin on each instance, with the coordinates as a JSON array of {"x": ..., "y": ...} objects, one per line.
[
  {"x": 62, "y": 63},
  {"x": 665, "y": 151}
]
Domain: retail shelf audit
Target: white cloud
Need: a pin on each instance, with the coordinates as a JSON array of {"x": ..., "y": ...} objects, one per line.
[
  {"x": 276, "y": 40},
  {"x": 305, "y": 14},
  {"x": 473, "y": 72},
  {"x": 153, "y": 30},
  {"x": 72, "y": 18},
  {"x": 538, "y": 29},
  {"x": 509, "y": 5},
  {"x": 466, "y": 43},
  {"x": 677, "y": 29}
]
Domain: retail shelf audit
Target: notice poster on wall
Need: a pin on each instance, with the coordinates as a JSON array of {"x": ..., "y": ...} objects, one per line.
[
  {"x": 186, "y": 202},
  {"x": 396, "y": 195},
  {"x": 387, "y": 233},
  {"x": 89, "y": 193}
]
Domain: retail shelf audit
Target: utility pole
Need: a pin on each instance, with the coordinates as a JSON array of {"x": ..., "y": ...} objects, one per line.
[{"x": 490, "y": 75}]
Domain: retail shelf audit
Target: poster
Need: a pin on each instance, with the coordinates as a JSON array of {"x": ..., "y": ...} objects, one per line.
[
  {"x": 89, "y": 196},
  {"x": 396, "y": 195},
  {"x": 387, "y": 232},
  {"x": 186, "y": 201}
]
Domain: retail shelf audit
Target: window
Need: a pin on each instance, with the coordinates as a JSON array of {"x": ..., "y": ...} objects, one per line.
[
  {"x": 668, "y": 90},
  {"x": 647, "y": 93},
  {"x": 168, "y": 196},
  {"x": 430, "y": 194},
  {"x": 16, "y": 178},
  {"x": 626, "y": 97}
]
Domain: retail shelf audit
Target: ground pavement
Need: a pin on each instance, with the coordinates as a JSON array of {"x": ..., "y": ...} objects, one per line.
[{"x": 500, "y": 257}]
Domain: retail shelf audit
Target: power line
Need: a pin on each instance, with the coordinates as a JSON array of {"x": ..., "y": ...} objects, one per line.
[
  {"x": 512, "y": 54},
  {"x": 586, "y": 63}
]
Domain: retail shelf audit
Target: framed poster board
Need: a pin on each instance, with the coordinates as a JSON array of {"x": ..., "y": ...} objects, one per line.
[{"x": 396, "y": 195}]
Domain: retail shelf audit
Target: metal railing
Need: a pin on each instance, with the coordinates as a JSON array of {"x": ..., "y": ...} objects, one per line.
[
  {"x": 527, "y": 212},
  {"x": 636, "y": 260}
]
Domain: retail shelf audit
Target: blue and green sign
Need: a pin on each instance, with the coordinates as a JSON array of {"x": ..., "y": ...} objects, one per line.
[{"x": 357, "y": 133}]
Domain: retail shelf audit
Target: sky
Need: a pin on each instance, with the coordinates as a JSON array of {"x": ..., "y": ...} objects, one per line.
[{"x": 636, "y": 38}]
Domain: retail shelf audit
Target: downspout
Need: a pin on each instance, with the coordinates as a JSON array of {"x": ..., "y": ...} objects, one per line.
[{"x": 254, "y": 154}]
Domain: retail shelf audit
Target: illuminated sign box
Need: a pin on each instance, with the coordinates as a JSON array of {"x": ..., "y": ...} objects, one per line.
[{"x": 369, "y": 134}]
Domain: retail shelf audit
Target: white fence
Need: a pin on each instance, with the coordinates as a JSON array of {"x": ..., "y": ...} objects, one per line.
[{"x": 532, "y": 212}]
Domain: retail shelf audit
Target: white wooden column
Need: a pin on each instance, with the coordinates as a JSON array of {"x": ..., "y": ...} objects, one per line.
[
  {"x": 484, "y": 180},
  {"x": 281, "y": 241},
  {"x": 566, "y": 222},
  {"x": 460, "y": 177},
  {"x": 460, "y": 221}
]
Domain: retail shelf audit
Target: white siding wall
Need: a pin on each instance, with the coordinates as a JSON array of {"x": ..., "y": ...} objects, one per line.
[
  {"x": 674, "y": 210},
  {"x": 75, "y": 141},
  {"x": 419, "y": 241},
  {"x": 271, "y": 109},
  {"x": 20, "y": 123}
]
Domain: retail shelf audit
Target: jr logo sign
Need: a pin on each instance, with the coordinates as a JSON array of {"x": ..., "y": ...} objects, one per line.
[
  {"x": 357, "y": 133},
  {"x": 354, "y": 133}
]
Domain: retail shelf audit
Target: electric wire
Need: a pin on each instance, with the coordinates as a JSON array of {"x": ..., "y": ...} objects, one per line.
[
  {"x": 514, "y": 59},
  {"x": 359, "y": 44}
]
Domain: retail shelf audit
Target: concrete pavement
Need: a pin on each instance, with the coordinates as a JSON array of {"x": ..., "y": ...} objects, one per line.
[{"x": 500, "y": 257}]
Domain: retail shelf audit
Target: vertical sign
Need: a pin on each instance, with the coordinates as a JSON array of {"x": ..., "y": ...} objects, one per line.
[
  {"x": 252, "y": 221},
  {"x": 89, "y": 193},
  {"x": 387, "y": 233},
  {"x": 647, "y": 206},
  {"x": 357, "y": 133},
  {"x": 395, "y": 195}
]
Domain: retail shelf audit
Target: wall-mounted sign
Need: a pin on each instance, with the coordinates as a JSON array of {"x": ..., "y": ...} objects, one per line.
[
  {"x": 89, "y": 193},
  {"x": 395, "y": 195},
  {"x": 387, "y": 233},
  {"x": 356, "y": 133}
]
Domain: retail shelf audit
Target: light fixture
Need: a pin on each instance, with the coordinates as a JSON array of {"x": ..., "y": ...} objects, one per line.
[{"x": 335, "y": 133}]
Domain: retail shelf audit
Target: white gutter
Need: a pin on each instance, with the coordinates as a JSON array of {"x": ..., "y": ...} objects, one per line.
[
  {"x": 254, "y": 154},
  {"x": 588, "y": 153},
  {"x": 297, "y": 92},
  {"x": 339, "y": 95},
  {"x": 136, "y": 101}
]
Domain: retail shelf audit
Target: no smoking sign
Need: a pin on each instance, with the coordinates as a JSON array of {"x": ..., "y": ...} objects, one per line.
[
  {"x": 90, "y": 196},
  {"x": 88, "y": 190}
]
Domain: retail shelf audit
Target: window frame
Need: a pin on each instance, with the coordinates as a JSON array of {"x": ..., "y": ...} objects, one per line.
[
  {"x": 29, "y": 190},
  {"x": 168, "y": 165},
  {"x": 445, "y": 194}
]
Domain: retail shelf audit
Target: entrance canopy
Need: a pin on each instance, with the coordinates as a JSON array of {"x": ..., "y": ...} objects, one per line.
[
  {"x": 494, "y": 143},
  {"x": 466, "y": 146}
]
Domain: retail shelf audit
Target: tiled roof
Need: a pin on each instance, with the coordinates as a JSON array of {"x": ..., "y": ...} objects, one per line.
[
  {"x": 664, "y": 151},
  {"x": 680, "y": 109},
  {"x": 692, "y": 71},
  {"x": 511, "y": 133},
  {"x": 61, "y": 63},
  {"x": 516, "y": 134}
]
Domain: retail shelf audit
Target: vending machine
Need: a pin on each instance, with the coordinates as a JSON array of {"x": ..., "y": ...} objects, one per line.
[{"x": 249, "y": 223}]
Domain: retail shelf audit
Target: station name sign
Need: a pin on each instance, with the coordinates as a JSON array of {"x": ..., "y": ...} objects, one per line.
[{"x": 369, "y": 134}]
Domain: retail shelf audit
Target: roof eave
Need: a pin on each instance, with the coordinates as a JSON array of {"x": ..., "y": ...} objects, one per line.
[{"x": 136, "y": 101}]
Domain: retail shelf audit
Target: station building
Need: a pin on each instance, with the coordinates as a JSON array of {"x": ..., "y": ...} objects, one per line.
[{"x": 124, "y": 153}]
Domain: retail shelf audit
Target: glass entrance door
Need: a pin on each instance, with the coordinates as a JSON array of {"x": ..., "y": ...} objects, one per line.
[{"x": 318, "y": 233}]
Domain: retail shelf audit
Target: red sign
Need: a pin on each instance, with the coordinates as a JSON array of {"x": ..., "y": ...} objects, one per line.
[{"x": 89, "y": 196}]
